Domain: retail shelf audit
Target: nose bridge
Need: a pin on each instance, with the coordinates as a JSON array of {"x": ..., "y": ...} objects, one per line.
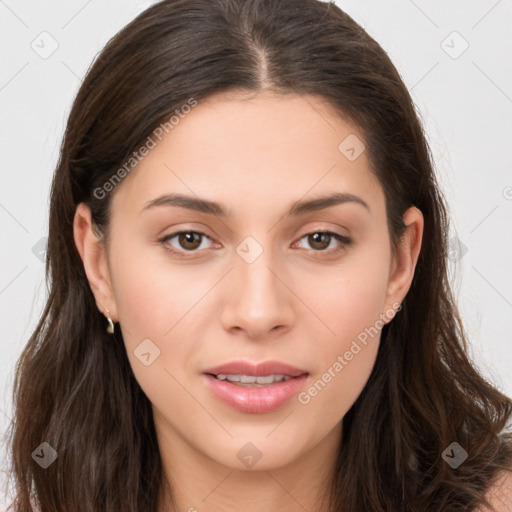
[
  {"x": 253, "y": 264},
  {"x": 258, "y": 300}
]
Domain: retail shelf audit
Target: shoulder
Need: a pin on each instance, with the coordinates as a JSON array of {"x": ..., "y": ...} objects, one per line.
[{"x": 500, "y": 494}]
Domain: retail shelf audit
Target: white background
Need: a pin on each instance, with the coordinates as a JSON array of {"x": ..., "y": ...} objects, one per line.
[{"x": 465, "y": 105}]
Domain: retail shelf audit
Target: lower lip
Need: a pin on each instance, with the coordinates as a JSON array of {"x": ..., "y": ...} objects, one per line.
[{"x": 255, "y": 399}]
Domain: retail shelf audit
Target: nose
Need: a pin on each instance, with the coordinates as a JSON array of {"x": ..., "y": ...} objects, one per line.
[{"x": 259, "y": 301}]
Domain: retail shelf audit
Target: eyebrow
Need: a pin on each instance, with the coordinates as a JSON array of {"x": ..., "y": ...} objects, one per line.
[{"x": 213, "y": 208}]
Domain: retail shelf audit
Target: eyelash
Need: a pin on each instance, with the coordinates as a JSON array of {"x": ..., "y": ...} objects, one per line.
[{"x": 344, "y": 242}]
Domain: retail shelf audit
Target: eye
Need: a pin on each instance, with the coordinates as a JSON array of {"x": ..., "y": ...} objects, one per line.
[
  {"x": 188, "y": 241},
  {"x": 321, "y": 240}
]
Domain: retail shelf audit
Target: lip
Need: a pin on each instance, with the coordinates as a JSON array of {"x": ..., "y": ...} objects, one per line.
[
  {"x": 254, "y": 369},
  {"x": 256, "y": 400}
]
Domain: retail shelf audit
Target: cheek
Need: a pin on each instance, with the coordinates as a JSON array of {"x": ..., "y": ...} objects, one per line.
[
  {"x": 152, "y": 295},
  {"x": 345, "y": 359},
  {"x": 351, "y": 306},
  {"x": 331, "y": 393},
  {"x": 350, "y": 297},
  {"x": 158, "y": 307}
]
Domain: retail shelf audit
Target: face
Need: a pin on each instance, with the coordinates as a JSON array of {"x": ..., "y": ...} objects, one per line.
[{"x": 258, "y": 282}]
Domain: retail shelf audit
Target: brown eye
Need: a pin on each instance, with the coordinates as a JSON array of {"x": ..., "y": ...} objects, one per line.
[
  {"x": 186, "y": 241},
  {"x": 319, "y": 240},
  {"x": 189, "y": 240}
]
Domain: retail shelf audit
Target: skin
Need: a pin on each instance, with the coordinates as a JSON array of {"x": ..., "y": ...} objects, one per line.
[{"x": 256, "y": 155}]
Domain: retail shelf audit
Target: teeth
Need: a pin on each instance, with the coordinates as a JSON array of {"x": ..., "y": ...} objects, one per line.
[
  {"x": 269, "y": 379},
  {"x": 251, "y": 379}
]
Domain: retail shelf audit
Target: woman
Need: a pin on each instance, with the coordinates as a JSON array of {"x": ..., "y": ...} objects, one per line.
[{"x": 249, "y": 307}]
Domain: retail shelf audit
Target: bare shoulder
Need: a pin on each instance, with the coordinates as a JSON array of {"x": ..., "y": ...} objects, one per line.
[{"x": 500, "y": 494}]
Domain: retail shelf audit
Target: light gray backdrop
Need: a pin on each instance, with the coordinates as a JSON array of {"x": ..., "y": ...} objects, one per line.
[{"x": 455, "y": 57}]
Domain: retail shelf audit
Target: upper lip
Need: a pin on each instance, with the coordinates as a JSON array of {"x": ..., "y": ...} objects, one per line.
[{"x": 256, "y": 369}]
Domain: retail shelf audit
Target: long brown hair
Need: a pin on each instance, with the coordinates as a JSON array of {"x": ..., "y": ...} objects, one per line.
[{"x": 74, "y": 387}]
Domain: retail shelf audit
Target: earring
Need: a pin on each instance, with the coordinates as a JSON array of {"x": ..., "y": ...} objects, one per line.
[{"x": 110, "y": 327}]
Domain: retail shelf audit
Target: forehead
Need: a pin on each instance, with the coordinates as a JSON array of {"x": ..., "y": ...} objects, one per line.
[{"x": 252, "y": 151}]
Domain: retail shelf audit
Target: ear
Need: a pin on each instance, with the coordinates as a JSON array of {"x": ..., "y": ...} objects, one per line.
[
  {"x": 94, "y": 258},
  {"x": 405, "y": 258}
]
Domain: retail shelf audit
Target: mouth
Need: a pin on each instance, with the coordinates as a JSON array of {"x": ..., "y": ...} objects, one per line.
[
  {"x": 249, "y": 369},
  {"x": 252, "y": 381},
  {"x": 255, "y": 388}
]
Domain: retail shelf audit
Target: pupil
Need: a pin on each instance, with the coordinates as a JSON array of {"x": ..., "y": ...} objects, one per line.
[
  {"x": 317, "y": 238},
  {"x": 189, "y": 238}
]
